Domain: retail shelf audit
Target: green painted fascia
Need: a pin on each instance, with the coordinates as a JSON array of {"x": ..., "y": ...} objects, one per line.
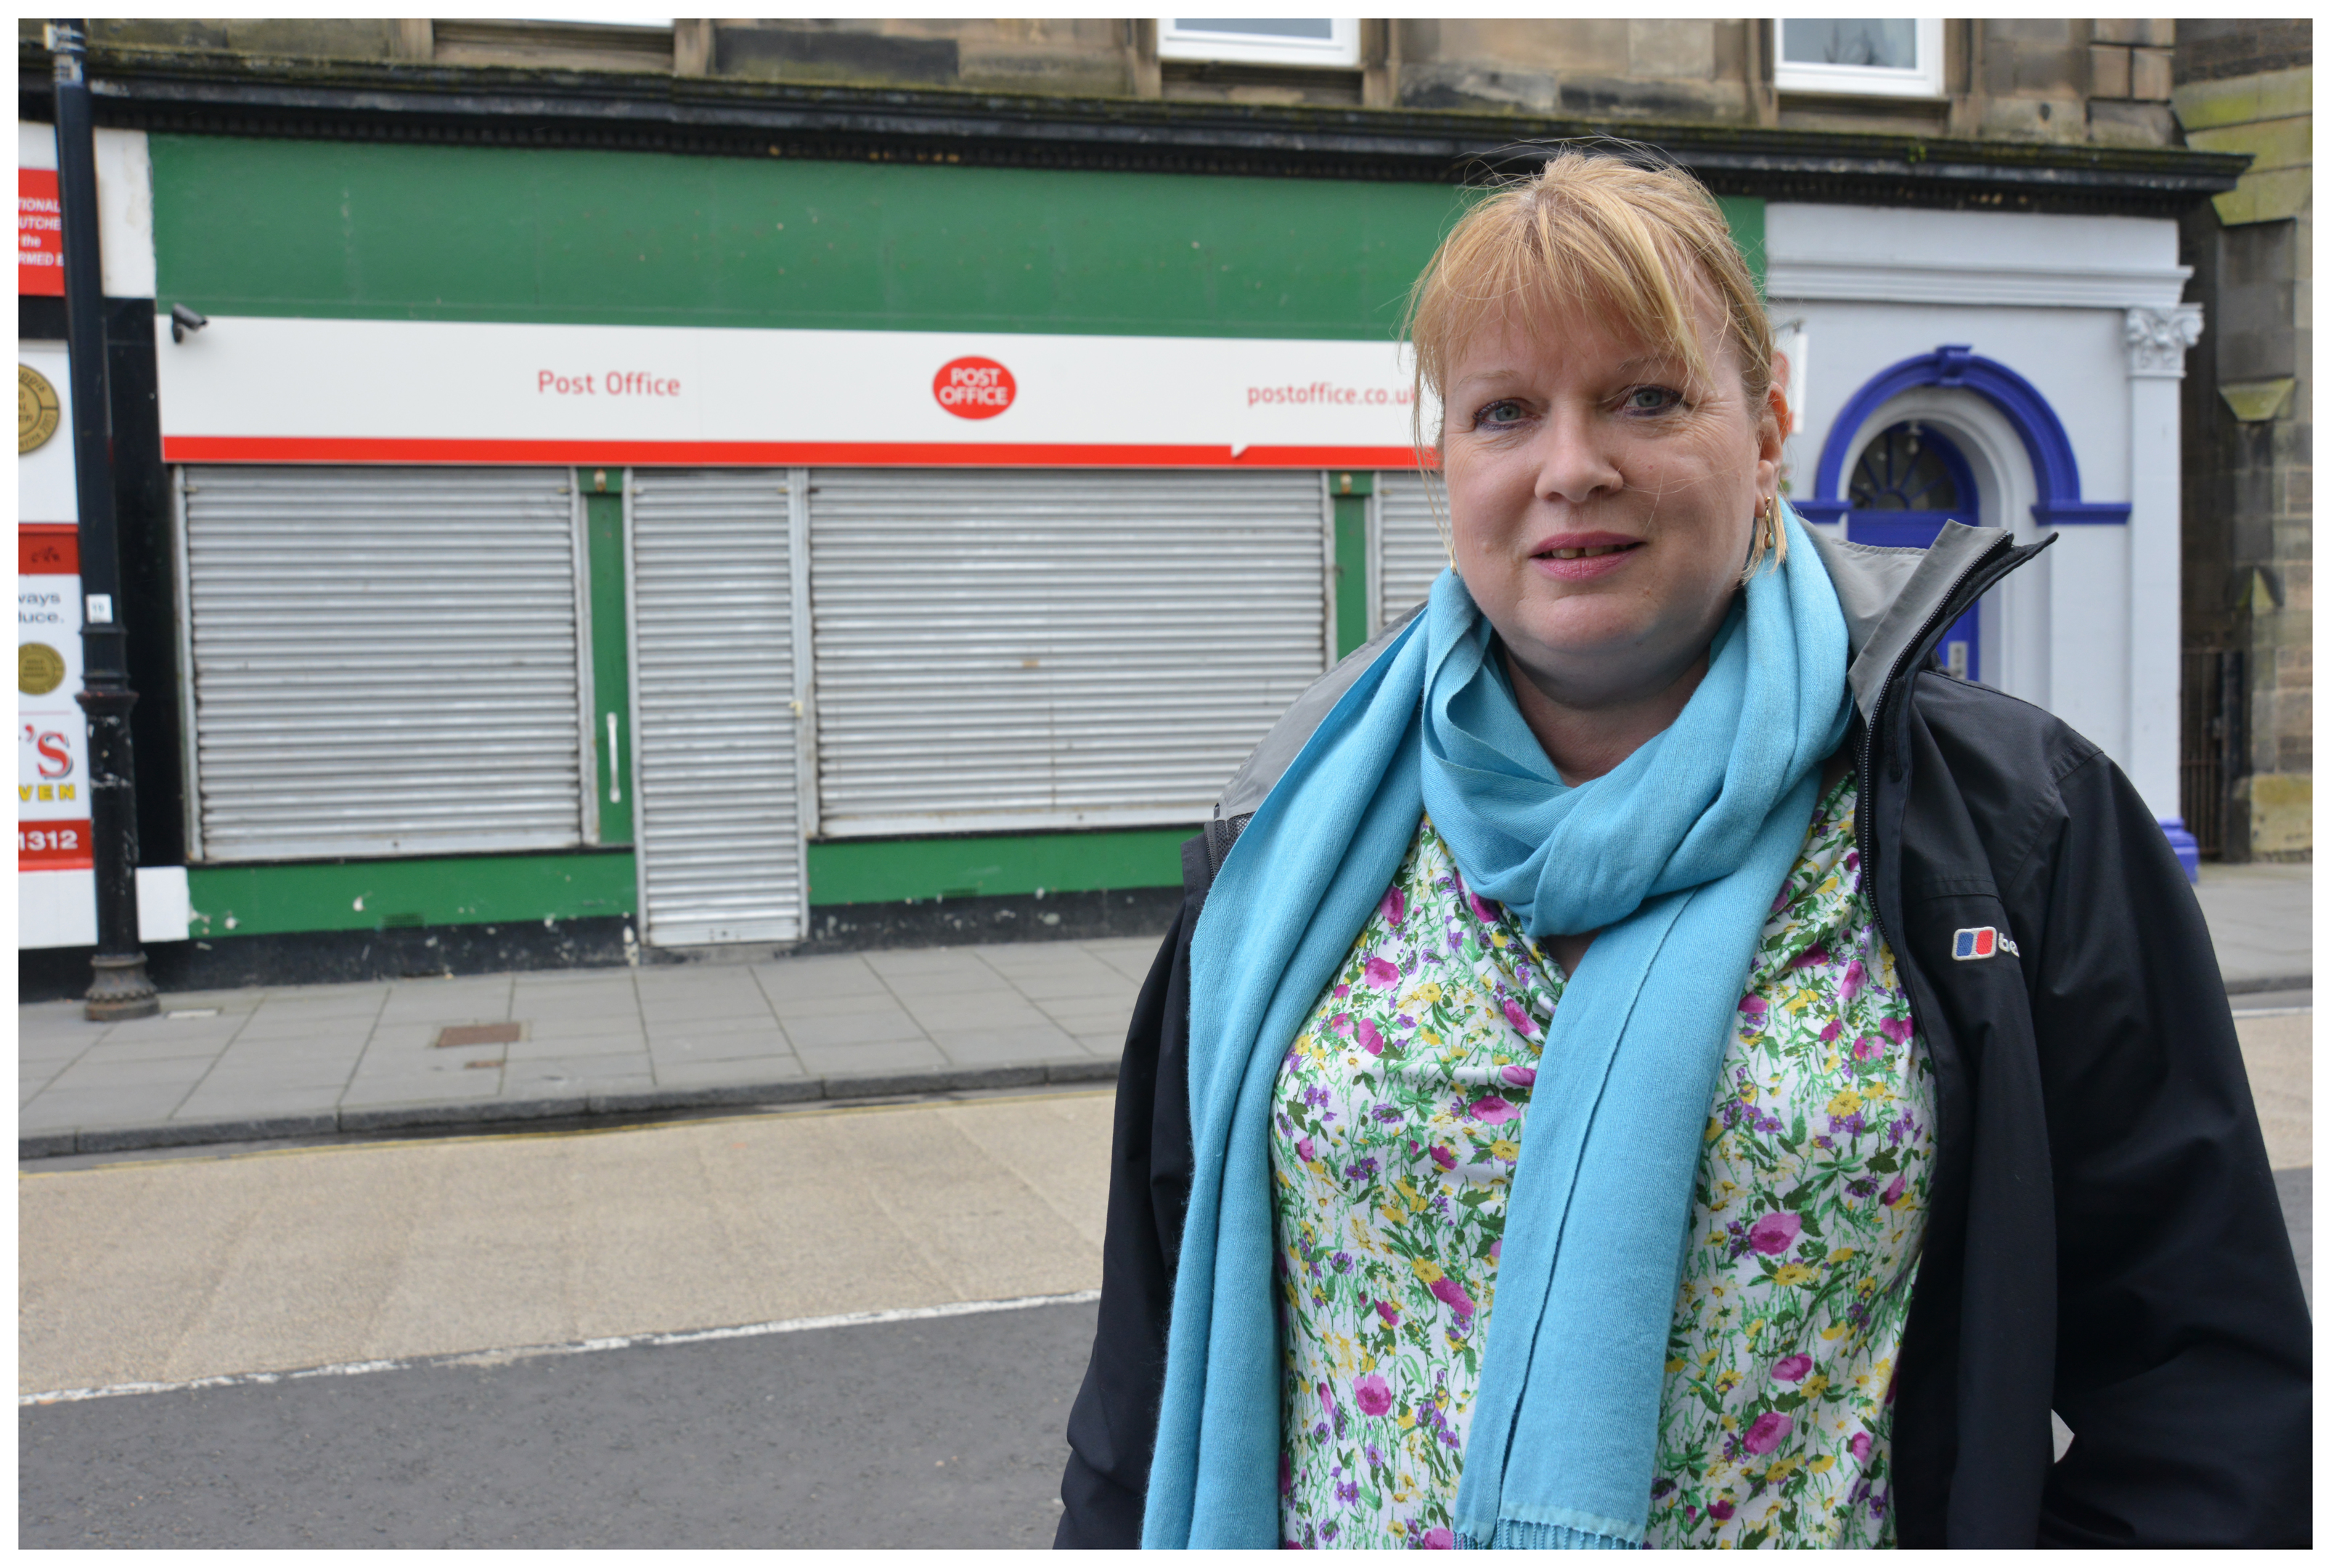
[
  {"x": 611, "y": 656},
  {"x": 395, "y": 231},
  {"x": 377, "y": 895},
  {"x": 887, "y": 870},
  {"x": 1745, "y": 215},
  {"x": 1351, "y": 572},
  {"x": 281, "y": 227}
]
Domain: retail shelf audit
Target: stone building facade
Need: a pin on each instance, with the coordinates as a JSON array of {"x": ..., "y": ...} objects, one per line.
[
  {"x": 2247, "y": 87},
  {"x": 601, "y": 331}
]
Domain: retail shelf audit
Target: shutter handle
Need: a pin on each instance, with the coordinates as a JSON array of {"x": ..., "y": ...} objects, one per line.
[{"x": 614, "y": 765}]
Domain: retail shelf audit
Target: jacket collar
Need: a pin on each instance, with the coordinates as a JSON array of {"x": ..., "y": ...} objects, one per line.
[{"x": 1892, "y": 596}]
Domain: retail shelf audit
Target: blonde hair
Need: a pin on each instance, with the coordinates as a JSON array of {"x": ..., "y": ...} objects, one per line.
[{"x": 1617, "y": 229}]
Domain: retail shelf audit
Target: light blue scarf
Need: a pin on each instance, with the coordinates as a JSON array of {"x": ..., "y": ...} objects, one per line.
[{"x": 1675, "y": 856}]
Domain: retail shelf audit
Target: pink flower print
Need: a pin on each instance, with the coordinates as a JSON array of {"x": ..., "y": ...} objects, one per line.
[
  {"x": 1443, "y": 1158},
  {"x": 1395, "y": 905},
  {"x": 1372, "y": 1394},
  {"x": 1521, "y": 1077},
  {"x": 1893, "y": 1193},
  {"x": 1303, "y": 1150},
  {"x": 1381, "y": 975},
  {"x": 1483, "y": 910},
  {"x": 1720, "y": 1509},
  {"x": 1849, "y": 987},
  {"x": 1751, "y": 1016},
  {"x": 1389, "y": 1313},
  {"x": 1438, "y": 1539},
  {"x": 1370, "y": 1037},
  {"x": 1519, "y": 1019},
  {"x": 1773, "y": 1234},
  {"x": 1897, "y": 1030},
  {"x": 1453, "y": 1294},
  {"x": 1286, "y": 1479},
  {"x": 1341, "y": 989},
  {"x": 1496, "y": 1247},
  {"x": 1491, "y": 1108},
  {"x": 1831, "y": 1030},
  {"x": 1869, "y": 1048},
  {"x": 1859, "y": 1447},
  {"x": 1341, "y": 1023},
  {"x": 1811, "y": 958},
  {"x": 1790, "y": 1368},
  {"x": 1768, "y": 1433}
]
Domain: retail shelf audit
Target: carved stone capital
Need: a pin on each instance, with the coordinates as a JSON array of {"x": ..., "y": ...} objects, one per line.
[{"x": 2157, "y": 339}]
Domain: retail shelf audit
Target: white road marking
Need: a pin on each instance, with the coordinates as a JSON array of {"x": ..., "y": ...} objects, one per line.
[
  {"x": 2271, "y": 1011},
  {"x": 576, "y": 1347}
]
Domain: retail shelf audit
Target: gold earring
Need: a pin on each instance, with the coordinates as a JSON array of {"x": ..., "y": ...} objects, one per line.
[{"x": 1772, "y": 518}]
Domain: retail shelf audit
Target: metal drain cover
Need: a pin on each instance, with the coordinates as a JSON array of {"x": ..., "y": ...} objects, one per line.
[{"x": 466, "y": 1035}]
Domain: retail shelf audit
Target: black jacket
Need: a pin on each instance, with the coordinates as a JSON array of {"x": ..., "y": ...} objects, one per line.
[{"x": 2103, "y": 1238}]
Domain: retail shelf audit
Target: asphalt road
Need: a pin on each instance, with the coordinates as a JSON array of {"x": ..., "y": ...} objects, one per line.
[{"x": 943, "y": 1432}]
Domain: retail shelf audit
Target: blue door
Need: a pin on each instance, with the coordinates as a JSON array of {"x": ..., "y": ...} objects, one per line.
[{"x": 1908, "y": 482}]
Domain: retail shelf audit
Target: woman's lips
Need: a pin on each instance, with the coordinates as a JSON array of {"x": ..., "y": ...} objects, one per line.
[{"x": 1581, "y": 560}]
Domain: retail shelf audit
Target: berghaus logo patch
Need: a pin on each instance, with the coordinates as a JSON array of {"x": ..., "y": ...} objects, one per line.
[{"x": 1979, "y": 941}]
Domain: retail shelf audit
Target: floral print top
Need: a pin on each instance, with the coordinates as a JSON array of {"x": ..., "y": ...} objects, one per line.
[{"x": 1398, "y": 1119}]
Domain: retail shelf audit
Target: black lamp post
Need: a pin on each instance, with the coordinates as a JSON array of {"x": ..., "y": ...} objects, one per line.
[{"x": 118, "y": 987}]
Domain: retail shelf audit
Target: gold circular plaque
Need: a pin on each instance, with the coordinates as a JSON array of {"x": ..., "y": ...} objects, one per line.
[
  {"x": 37, "y": 411},
  {"x": 40, "y": 669}
]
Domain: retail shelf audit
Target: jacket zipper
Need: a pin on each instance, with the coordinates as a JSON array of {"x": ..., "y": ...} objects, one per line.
[{"x": 1863, "y": 838}]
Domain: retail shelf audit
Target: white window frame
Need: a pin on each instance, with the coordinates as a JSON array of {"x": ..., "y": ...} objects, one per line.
[
  {"x": 1340, "y": 48},
  {"x": 1871, "y": 81}
]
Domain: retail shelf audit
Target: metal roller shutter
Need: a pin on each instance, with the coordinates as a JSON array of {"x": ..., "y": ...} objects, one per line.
[
  {"x": 1002, "y": 649},
  {"x": 1409, "y": 551},
  {"x": 716, "y": 712},
  {"x": 384, "y": 660}
]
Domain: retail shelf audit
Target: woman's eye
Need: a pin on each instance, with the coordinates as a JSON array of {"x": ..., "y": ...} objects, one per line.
[
  {"x": 1653, "y": 399},
  {"x": 1505, "y": 411}
]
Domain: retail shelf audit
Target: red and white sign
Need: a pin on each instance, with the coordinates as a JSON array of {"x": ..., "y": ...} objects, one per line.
[
  {"x": 51, "y": 735},
  {"x": 972, "y": 387},
  {"x": 269, "y": 389},
  {"x": 40, "y": 234}
]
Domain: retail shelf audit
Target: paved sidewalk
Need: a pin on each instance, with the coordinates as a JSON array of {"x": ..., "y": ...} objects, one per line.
[
  {"x": 299, "y": 1061},
  {"x": 303, "y": 1061},
  {"x": 2262, "y": 919}
]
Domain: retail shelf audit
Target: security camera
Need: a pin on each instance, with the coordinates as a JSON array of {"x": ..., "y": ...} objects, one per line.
[{"x": 183, "y": 319}]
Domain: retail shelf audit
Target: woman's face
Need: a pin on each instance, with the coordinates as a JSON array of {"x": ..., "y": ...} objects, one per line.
[{"x": 1602, "y": 499}]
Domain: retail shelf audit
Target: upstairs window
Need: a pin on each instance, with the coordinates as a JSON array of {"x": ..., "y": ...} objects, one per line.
[
  {"x": 1892, "y": 57},
  {"x": 1249, "y": 40}
]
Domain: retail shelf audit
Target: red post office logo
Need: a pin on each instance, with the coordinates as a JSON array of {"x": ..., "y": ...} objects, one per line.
[{"x": 974, "y": 388}]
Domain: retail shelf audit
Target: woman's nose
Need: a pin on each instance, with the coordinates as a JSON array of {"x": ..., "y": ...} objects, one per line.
[{"x": 1572, "y": 464}]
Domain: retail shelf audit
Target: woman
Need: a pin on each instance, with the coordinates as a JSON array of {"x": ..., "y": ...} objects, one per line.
[{"x": 1647, "y": 1059}]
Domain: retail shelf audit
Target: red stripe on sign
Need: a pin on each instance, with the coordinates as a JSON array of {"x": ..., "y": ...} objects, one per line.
[
  {"x": 54, "y": 847},
  {"x": 770, "y": 453},
  {"x": 48, "y": 550}
]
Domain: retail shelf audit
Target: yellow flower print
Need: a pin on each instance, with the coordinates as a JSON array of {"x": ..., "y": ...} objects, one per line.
[
  {"x": 1820, "y": 1466},
  {"x": 1428, "y": 1037},
  {"x": 1506, "y": 1149},
  {"x": 1815, "y": 1386},
  {"x": 1429, "y": 993},
  {"x": 1674, "y": 1364},
  {"x": 1792, "y": 1274},
  {"x": 1844, "y": 1103},
  {"x": 1841, "y": 1255},
  {"x": 1427, "y": 1271},
  {"x": 1726, "y": 1381}
]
